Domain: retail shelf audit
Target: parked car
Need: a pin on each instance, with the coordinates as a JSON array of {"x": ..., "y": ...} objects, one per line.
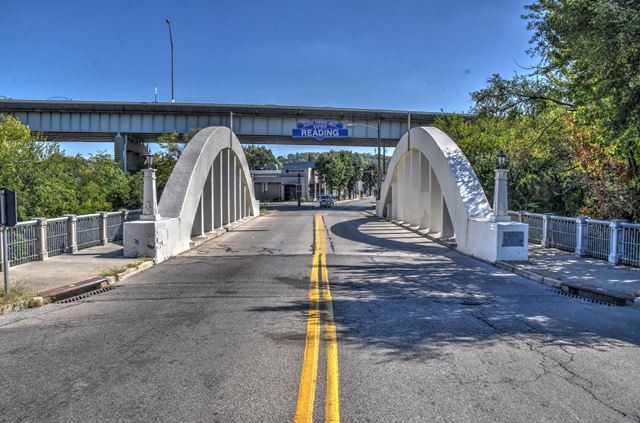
[{"x": 326, "y": 201}]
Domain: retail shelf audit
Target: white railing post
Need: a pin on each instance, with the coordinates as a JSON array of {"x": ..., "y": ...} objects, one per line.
[
  {"x": 41, "y": 238},
  {"x": 546, "y": 228},
  {"x": 614, "y": 254},
  {"x": 581, "y": 236},
  {"x": 72, "y": 233},
  {"x": 104, "y": 235}
]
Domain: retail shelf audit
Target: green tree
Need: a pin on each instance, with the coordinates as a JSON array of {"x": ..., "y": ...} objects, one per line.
[
  {"x": 259, "y": 155},
  {"x": 585, "y": 95}
]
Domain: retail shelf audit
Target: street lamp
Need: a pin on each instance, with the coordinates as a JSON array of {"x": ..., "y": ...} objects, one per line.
[
  {"x": 378, "y": 143},
  {"x": 500, "y": 196},
  {"x": 149, "y": 155},
  {"x": 173, "y": 98},
  {"x": 502, "y": 159}
]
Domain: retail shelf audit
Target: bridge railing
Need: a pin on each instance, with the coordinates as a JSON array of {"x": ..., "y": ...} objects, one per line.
[
  {"x": 39, "y": 239},
  {"x": 614, "y": 240}
]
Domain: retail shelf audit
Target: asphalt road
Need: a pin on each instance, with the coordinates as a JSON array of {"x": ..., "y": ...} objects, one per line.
[{"x": 423, "y": 334}]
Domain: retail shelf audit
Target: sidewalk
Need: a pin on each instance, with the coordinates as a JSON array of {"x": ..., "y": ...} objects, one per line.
[
  {"x": 66, "y": 269},
  {"x": 579, "y": 275},
  {"x": 575, "y": 275}
]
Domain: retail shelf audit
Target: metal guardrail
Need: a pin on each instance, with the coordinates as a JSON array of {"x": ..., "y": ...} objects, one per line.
[
  {"x": 22, "y": 243},
  {"x": 57, "y": 236},
  {"x": 598, "y": 239},
  {"x": 114, "y": 226},
  {"x": 615, "y": 241},
  {"x": 134, "y": 215},
  {"x": 630, "y": 244},
  {"x": 38, "y": 239},
  {"x": 535, "y": 225},
  {"x": 88, "y": 231},
  {"x": 562, "y": 232}
]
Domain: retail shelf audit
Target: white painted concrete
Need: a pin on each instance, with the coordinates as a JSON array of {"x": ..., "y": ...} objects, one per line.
[
  {"x": 202, "y": 194},
  {"x": 434, "y": 187}
]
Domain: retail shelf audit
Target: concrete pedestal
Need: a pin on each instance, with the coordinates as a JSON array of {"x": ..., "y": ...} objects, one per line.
[
  {"x": 498, "y": 241},
  {"x": 159, "y": 239}
]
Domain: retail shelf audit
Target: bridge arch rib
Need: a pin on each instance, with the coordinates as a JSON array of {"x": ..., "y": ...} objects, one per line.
[
  {"x": 431, "y": 186},
  {"x": 209, "y": 188}
]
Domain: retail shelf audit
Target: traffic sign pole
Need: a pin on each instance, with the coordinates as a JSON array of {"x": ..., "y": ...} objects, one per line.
[{"x": 5, "y": 244}]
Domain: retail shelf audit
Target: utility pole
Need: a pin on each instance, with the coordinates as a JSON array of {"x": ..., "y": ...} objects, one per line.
[
  {"x": 173, "y": 98},
  {"x": 379, "y": 172}
]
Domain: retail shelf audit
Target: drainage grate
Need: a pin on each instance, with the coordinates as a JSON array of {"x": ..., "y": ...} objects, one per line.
[
  {"x": 587, "y": 299},
  {"x": 85, "y": 295}
]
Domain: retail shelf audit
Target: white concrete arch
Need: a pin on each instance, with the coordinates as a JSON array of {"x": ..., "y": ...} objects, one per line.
[
  {"x": 209, "y": 188},
  {"x": 432, "y": 187}
]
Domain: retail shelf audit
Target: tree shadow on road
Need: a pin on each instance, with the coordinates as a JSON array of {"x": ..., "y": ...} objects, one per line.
[{"x": 408, "y": 307}]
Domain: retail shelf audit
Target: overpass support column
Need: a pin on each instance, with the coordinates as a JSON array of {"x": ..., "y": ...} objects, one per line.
[
  {"x": 207, "y": 202},
  {"x": 118, "y": 151},
  {"x": 226, "y": 188},
  {"x": 217, "y": 192}
]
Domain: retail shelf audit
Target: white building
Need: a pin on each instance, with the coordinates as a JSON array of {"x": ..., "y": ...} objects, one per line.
[{"x": 295, "y": 180}]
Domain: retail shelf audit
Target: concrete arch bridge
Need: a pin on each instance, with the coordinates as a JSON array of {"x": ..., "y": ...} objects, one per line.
[
  {"x": 430, "y": 186},
  {"x": 209, "y": 190}
]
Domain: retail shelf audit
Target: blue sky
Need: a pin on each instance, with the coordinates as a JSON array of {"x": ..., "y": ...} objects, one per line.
[{"x": 406, "y": 54}]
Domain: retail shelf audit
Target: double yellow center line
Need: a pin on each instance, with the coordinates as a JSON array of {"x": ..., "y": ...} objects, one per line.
[{"x": 306, "y": 393}]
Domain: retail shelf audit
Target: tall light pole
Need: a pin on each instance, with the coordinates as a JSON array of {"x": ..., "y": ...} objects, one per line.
[
  {"x": 173, "y": 98},
  {"x": 378, "y": 145}
]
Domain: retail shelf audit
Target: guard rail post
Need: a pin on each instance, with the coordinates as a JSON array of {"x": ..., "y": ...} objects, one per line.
[
  {"x": 72, "y": 233},
  {"x": 102, "y": 221},
  {"x": 41, "y": 238},
  {"x": 581, "y": 236},
  {"x": 546, "y": 228},
  {"x": 614, "y": 254}
]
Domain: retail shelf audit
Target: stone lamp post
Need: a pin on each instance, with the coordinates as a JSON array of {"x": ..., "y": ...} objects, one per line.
[
  {"x": 500, "y": 195},
  {"x": 150, "y": 200}
]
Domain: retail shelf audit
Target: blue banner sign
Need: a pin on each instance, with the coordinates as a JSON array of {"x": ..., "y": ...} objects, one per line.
[{"x": 320, "y": 130}]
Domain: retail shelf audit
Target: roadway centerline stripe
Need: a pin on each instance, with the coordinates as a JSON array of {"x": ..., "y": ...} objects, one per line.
[
  {"x": 332, "y": 405},
  {"x": 307, "y": 390}
]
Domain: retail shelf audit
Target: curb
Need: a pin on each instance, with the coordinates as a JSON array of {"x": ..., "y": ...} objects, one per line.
[
  {"x": 195, "y": 242},
  {"x": 72, "y": 290},
  {"x": 608, "y": 296},
  {"x": 112, "y": 280}
]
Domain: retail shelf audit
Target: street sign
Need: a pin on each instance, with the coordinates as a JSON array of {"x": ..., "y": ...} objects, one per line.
[
  {"x": 8, "y": 218},
  {"x": 320, "y": 130},
  {"x": 9, "y": 212}
]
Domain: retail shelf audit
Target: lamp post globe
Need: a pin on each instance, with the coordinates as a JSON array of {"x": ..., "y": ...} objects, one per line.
[{"x": 502, "y": 159}]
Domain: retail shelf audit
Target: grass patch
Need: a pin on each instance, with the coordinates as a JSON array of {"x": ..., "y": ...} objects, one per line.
[
  {"x": 115, "y": 271},
  {"x": 18, "y": 297},
  {"x": 264, "y": 211}
]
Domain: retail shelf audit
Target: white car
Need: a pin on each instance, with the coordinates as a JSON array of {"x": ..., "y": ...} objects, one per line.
[{"x": 326, "y": 201}]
